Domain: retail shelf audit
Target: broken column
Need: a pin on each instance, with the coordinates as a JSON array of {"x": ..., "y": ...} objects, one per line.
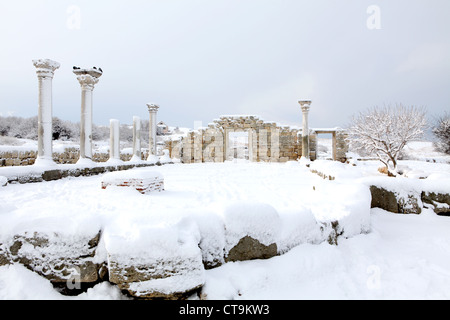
[
  {"x": 45, "y": 69},
  {"x": 114, "y": 141},
  {"x": 136, "y": 139},
  {"x": 152, "y": 152},
  {"x": 87, "y": 78},
  {"x": 305, "y": 105}
]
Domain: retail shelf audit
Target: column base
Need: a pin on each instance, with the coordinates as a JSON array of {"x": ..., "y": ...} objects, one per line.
[
  {"x": 136, "y": 159},
  {"x": 152, "y": 158},
  {"x": 114, "y": 162},
  {"x": 44, "y": 162},
  {"x": 86, "y": 162}
]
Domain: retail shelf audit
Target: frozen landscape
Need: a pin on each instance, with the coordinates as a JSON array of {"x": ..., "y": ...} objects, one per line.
[
  {"x": 225, "y": 150},
  {"x": 206, "y": 208}
]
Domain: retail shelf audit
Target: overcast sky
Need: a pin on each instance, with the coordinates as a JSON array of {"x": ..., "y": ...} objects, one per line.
[{"x": 199, "y": 59}]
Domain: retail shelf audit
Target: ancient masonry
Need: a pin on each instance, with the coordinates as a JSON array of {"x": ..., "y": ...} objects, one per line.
[
  {"x": 263, "y": 141},
  {"x": 260, "y": 140}
]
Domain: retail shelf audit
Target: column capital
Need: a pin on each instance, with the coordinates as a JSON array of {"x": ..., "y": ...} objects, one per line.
[
  {"x": 87, "y": 81},
  {"x": 305, "y": 105},
  {"x": 152, "y": 107},
  {"x": 45, "y": 67},
  {"x": 88, "y": 78}
]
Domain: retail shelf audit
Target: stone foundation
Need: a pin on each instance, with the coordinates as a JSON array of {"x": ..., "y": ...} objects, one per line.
[{"x": 69, "y": 156}]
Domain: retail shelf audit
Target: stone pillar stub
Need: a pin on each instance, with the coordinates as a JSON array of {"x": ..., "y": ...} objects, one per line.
[
  {"x": 87, "y": 78},
  {"x": 114, "y": 141},
  {"x": 45, "y": 69},
  {"x": 305, "y": 105},
  {"x": 137, "y": 156}
]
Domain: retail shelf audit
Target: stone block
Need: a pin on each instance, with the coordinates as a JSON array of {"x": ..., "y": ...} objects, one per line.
[
  {"x": 67, "y": 261},
  {"x": 141, "y": 180}
]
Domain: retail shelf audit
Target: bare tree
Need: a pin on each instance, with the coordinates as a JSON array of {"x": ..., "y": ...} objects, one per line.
[
  {"x": 384, "y": 132},
  {"x": 442, "y": 132}
]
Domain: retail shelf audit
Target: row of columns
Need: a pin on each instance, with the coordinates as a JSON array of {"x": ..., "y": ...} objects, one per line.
[{"x": 87, "y": 78}]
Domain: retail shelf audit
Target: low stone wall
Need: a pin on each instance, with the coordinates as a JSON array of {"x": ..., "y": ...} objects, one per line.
[
  {"x": 17, "y": 158},
  {"x": 33, "y": 176},
  {"x": 411, "y": 202},
  {"x": 69, "y": 156}
]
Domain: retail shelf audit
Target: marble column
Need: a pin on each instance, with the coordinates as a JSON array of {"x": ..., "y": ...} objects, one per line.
[
  {"x": 114, "y": 140},
  {"x": 45, "y": 69},
  {"x": 152, "y": 155},
  {"x": 137, "y": 139},
  {"x": 305, "y": 105},
  {"x": 87, "y": 78}
]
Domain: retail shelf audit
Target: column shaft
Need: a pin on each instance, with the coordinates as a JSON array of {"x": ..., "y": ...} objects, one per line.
[
  {"x": 45, "y": 135},
  {"x": 114, "y": 141},
  {"x": 45, "y": 69},
  {"x": 152, "y": 142},
  {"x": 305, "y": 105},
  {"x": 137, "y": 138},
  {"x": 305, "y": 136},
  {"x": 86, "y": 123}
]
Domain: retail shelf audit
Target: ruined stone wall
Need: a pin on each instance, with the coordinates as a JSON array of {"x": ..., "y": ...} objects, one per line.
[
  {"x": 341, "y": 145},
  {"x": 69, "y": 156},
  {"x": 267, "y": 142}
]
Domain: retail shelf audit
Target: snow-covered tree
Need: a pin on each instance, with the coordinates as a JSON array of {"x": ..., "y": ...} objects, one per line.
[
  {"x": 442, "y": 132},
  {"x": 384, "y": 132}
]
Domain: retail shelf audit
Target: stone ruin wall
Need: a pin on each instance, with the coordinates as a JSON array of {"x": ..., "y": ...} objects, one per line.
[
  {"x": 267, "y": 142},
  {"x": 69, "y": 156}
]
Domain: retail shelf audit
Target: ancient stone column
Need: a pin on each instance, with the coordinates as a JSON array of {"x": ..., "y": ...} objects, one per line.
[
  {"x": 305, "y": 105},
  {"x": 87, "y": 78},
  {"x": 136, "y": 139},
  {"x": 45, "y": 69},
  {"x": 152, "y": 109},
  {"x": 114, "y": 141}
]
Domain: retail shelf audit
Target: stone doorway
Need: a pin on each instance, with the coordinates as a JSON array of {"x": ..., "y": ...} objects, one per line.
[
  {"x": 324, "y": 146},
  {"x": 238, "y": 145}
]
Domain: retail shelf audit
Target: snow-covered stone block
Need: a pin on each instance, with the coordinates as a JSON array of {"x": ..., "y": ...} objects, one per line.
[
  {"x": 143, "y": 181},
  {"x": 342, "y": 209},
  {"x": 3, "y": 181},
  {"x": 68, "y": 261},
  {"x": 251, "y": 231},
  {"x": 212, "y": 238},
  {"x": 152, "y": 261}
]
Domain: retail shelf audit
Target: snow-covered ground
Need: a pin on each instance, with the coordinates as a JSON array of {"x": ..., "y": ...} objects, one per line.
[{"x": 400, "y": 257}]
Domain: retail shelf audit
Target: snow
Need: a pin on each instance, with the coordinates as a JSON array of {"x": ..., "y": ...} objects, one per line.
[
  {"x": 3, "y": 181},
  {"x": 19, "y": 283},
  {"x": 133, "y": 174},
  {"x": 206, "y": 208},
  {"x": 403, "y": 257},
  {"x": 348, "y": 203},
  {"x": 257, "y": 220}
]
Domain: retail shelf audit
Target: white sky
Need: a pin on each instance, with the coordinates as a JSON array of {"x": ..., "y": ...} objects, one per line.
[{"x": 199, "y": 59}]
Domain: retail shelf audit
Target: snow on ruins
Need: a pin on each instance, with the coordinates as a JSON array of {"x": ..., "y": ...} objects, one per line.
[{"x": 240, "y": 208}]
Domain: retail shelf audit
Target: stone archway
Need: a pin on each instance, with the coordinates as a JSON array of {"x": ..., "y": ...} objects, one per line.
[{"x": 238, "y": 144}]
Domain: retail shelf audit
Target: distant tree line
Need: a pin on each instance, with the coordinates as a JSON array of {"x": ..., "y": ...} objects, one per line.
[
  {"x": 441, "y": 130},
  {"x": 27, "y": 128}
]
